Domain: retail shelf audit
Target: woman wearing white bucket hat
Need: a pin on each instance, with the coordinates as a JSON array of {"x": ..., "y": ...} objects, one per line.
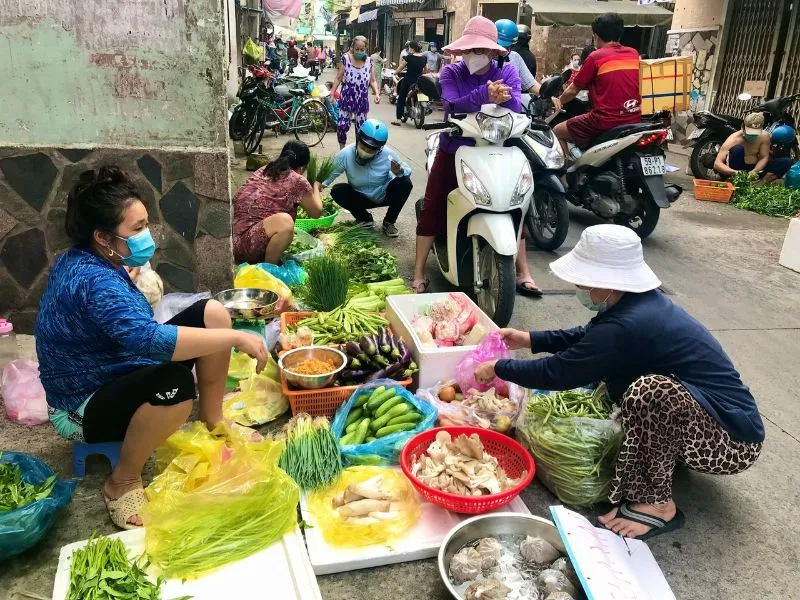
[{"x": 681, "y": 398}]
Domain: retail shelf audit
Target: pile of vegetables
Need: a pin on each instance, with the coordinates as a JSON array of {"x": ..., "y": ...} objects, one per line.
[
  {"x": 296, "y": 247},
  {"x": 366, "y": 502},
  {"x": 14, "y": 492},
  {"x": 448, "y": 322},
  {"x": 493, "y": 409},
  {"x": 771, "y": 199},
  {"x": 377, "y": 356},
  {"x": 340, "y": 234},
  {"x": 381, "y": 413},
  {"x": 367, "y": 262},
  {"x": 310, "y": 456},
  {"x": 329, "y": 207},
  {"x": 101, "y": 570},
  {"x": 575, "y": 440},
  {"x": 372, "y": 296},
  {"x": 327, "y": 282},
  {"x": 342, "y": 325}
]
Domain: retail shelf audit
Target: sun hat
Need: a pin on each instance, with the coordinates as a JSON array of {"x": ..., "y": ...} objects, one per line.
[
  {"x": 607, "y": 257},
  {"x": 754, "y": 123},
  {"x": 480, "y": 33}
]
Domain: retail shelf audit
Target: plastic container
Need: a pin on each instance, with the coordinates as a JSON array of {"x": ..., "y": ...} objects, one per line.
[
  {"x": 435, "y": 364},
  {"x": 510, "y": 455},
  {"x": 713, "y": 191},
  {"x": 8, "y": 343},
  {"x": 321, "y": 223}
]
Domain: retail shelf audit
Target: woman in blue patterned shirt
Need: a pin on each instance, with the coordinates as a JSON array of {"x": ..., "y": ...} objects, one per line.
[{"x": 111, "y": 372}]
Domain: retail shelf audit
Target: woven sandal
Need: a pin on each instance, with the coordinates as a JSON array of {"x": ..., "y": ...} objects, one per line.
[{"x": 126, "y": 506}]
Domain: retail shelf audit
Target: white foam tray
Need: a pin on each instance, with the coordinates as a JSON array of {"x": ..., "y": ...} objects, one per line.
[
  {"x": 421, "y": 541},
  {"x": 435, "y": 364},
  {"x": 280, "y": 571}
]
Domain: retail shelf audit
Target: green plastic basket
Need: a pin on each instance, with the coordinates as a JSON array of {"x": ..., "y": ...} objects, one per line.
[{"x": 321, "y": 223}]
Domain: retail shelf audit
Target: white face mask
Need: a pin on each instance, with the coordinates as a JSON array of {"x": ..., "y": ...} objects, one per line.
[{"x": 476, "y": 62}]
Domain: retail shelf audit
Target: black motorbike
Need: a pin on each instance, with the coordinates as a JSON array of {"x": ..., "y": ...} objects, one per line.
[{"x": 712, "y": 130}]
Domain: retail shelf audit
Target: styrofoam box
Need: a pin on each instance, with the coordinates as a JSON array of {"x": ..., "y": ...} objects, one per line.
[
  {"x": 435, "y": 364},
  {"x": 790, "y": 253}
]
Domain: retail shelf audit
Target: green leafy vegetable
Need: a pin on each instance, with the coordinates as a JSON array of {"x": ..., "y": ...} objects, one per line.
[
  {"x": 296, "y": 247},
  {"x": 311, "y": 455},
  {"x": 328, "y": 208},
  {"x": 326, "y": 283},
  {"x": 14, "y": 492},
  {"x": 345, "y": 233},
  {"x": 366, "y": 262},
  {"x": 771, "y": 199},
  {"x": 318, "y": 170}
]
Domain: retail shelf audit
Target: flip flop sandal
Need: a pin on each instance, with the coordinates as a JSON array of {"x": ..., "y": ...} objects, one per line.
[
  {"x": 420, "y": 286},
  {"x": 526, "y": 291},
  {"x": 126, "y": 506},
  {"x": 657, "y": 524}
]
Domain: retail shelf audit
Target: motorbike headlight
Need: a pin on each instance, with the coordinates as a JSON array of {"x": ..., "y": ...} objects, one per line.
[
  {"x": 474, "y": 186},
  {"x": 495, "y": 129},
  {"x": 524, "y": 184}
]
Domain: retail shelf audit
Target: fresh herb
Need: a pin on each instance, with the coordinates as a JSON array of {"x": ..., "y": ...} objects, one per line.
[
  {"x": 319, "y": 170},
  {"x": 311, "y": 455},
  {"x": 14, "y": 492},
  {"x": 366, "y": 262},
  {"x": 296, "y": 247},
  {"x": 771, "y": 199},
  {"x": 329, "y": 207},
  {"x": 345, "y": 233},
  {"x": 326, "y": 283}
]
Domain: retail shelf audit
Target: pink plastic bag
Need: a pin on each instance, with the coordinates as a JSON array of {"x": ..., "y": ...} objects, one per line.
[
  {"x": 23, "y": 394},
  {"x": 492, "y": 347}
]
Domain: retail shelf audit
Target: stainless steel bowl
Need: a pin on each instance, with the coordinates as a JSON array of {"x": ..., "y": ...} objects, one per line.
[
  {"x": 492, "y": 525},
  {"x": 249, "y": 304},
  {"x": 311, "y": 382}
]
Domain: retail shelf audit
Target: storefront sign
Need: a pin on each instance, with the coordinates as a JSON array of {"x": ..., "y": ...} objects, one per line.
[
  {"x": 420, "y": 28},
  {"x": 401, "y": 22},
  {"x": 419, "y": 14},
  {"x": 440, "y": 29},
  {"x": 368, "y": 16},
  {"x": 757, "y": 89}
]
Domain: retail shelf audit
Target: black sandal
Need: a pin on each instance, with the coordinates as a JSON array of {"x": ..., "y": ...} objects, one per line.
[{"x": 657, "y": 525}]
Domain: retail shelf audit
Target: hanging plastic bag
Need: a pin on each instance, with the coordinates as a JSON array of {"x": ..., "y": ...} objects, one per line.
[
  {"x": 290, "y": 272},
  {"x": 402, "y": 509},
  {"x": 496, "y": 409},
  {"x": 172, "y": 304},
  {"x": 23, "y": 527},
  {"x": 23, "y": 394},
  {"x": 383, "y": 450},
  {"x": 261, "y": 399},
  {"x": 253, "y": 51},
  {"x": 492, "y": 347},
  {"x": 792, "y": 180},
  {"x": 220, "y": 499},
  {"x": 254, "y": 276}
]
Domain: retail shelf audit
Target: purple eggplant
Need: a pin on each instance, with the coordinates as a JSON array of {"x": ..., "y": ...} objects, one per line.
[
  {"x": 386, "y": 373},
  {"x": 393, "y": 352},
  {"x": 381, "y": 360},
  {"x": 352, "y": 349},
  {"x": 369, "y": 346},
  {"x": 385, "y": 347},
  {"x": 405, "y": 356},
  {"x": 355, "y": 374}
]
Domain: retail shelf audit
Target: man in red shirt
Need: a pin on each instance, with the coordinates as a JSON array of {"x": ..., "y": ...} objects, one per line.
[{"x": 611, "y": 74}]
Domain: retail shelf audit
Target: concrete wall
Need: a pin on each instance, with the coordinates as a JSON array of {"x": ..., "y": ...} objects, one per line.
[{"x": 697, "y": 14}]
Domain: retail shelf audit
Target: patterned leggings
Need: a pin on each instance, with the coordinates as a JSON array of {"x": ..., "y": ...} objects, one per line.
[
  {"x": 663, "y": 424},
  {"x": 344, "y": 124}
]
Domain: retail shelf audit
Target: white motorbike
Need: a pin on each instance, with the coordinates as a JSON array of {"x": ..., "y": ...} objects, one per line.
[
  {"x": 387, "y": 77},
  {"x": 485, "y": 213}
]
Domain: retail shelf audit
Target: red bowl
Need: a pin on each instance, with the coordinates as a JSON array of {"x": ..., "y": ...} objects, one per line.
[{"x": 509, "y": 454}]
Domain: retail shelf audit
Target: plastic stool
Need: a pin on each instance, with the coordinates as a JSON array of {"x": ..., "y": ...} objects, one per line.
[{"x": 81, "y": 450}]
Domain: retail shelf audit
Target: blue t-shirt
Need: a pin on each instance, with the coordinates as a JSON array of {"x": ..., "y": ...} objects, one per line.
[
  {"x": 94, "y": 326},
  {"x": 643, "y": 334},
  {"x": 371, "y": 178}
]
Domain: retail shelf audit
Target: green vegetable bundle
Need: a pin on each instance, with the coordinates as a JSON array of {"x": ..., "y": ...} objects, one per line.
[
  {"x": 574, "y": 440},
  {"x": 311, "y": 456},
  {"x": 372, "y": 296},
  {"x": 326, "y": 283},
  {"x": 328, "y": 208},
  {"x": 366, "y": 262},
  {"x": 342, "y": 325},
  {"x": 318, "y": 170},
  {"x": 296, "y": 247},
  {"x": 771, "y": 199},
  {"x": 14, "y": 492},
  {"x": 381, "y": 413},
  {"x": 344, "y": 233}
]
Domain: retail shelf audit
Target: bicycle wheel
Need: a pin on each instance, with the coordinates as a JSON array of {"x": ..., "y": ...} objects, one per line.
[
  {"x": 310, "y": 122},
  {"x": 255, "y": 132}
]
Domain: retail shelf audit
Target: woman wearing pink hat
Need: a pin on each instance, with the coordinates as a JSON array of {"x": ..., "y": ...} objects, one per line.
[{"x": 466, "y": 86}]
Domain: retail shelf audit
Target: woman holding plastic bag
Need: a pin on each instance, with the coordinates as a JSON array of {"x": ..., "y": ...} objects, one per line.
[
  {"x": 681, "y": 397},
  {"x": 110, "y": 371},
  {"x": 265, "y": 207}
]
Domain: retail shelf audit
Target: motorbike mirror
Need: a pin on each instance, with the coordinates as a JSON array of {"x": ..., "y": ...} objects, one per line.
[{"x": 745, "y": 96}]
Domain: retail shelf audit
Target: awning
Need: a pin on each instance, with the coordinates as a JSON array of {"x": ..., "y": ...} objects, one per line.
[{"x": 583, "y": 12}]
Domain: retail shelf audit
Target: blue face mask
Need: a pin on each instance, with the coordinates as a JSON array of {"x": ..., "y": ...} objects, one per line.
[
  {"x": 360, "y": 55},
  {"x": 585, "y": 298},
  {"x": 142, "y": 247}
]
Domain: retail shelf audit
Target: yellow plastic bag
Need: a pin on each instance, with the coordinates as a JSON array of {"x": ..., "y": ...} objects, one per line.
[
  {"x": 253, "y": 276},
  {"x": 241, "y": 366},
  {"x": 253, "y": 50},
  {"x": 260, "y": 401},
  {"x": 339, "y": 533},
  {"x": 220, "y": 498}
]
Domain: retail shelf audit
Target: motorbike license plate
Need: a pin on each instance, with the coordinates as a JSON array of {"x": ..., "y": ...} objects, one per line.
[
  {"x": 653, "y": 165},
  {"x": 696, "y": 133},
  {"x": 422, "y": 97}
]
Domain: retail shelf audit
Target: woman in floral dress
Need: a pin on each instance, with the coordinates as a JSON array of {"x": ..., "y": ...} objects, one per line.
[{"x": 355, "y": 76}]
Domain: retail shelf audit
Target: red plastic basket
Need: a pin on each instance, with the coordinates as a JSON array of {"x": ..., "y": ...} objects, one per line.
[{"x": 509, "y": 454}]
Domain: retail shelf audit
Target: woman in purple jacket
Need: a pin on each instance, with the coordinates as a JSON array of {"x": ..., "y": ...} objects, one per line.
[{"x": 466, "y": 86}]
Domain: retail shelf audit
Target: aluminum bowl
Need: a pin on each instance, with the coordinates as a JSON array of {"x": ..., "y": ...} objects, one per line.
[
  {"x": 311, "y": 382},
  {"x": 475, "y": 528},
  {"x": 249, "y": 304}
]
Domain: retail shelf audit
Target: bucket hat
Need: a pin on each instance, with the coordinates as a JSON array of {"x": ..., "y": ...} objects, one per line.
[
  {"x": 480, "y": 33},
  {"x": 608, "y": 257}
]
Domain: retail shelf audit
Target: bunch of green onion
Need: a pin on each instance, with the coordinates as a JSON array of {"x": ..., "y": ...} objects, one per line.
[
  {"x": 311, "y": 455},
  {"x": 326, "y": 284}
]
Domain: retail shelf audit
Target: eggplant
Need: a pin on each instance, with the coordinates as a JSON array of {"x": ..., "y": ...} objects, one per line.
[
  {"x": 405, "y": 357},
  {"x": 355, "y": 374},
  {"x": 369, "y": 346},
  {"x": 393, "y": 352},
  {"x": 386, "y": 373},
  {"x": 386, "y": 348},
  {"x": 355, "y": 363},
  {"x": 381, "y": 360},
  {"x": 352, "y": 349}
]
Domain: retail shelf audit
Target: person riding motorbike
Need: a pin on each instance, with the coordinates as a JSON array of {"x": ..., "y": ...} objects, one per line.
[
  {"x": 293, "y": 54},
  {"x": 611, "y": 74},
  {"x": 413, "y": 64},
  {"x": 522, "y": 47},
  {"x": 507, "y": 33}
]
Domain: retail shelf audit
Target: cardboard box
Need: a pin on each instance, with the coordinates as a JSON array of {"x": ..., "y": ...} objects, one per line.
[{"x": 666, "y": 84}]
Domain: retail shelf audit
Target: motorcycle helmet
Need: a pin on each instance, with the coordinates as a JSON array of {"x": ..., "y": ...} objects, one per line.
[
  {"x": 783, "y": 134},
  {"x": 524, "y": 34},
  {"x": 507, "y": 32},
  {"x": 370, "y": 140}
]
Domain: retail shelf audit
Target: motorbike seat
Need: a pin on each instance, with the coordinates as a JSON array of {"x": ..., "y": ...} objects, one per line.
[{"x": 622, "y": 131}]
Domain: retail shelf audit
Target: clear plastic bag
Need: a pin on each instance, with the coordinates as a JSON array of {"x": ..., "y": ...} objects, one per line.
[
  {"x": 385, "y": 450},
  {"x": 456, "y": 414},
  {"x": 219, "y": 499},
  {"x": 317, "y": 249},
  {"x": 172, "y": 304},
  {"x": 23, "y": 394},
  {"x": 23, "y": 527},
  {"x": 260, "y": 401},
  {"x": 338, "y": 532},
  {"x": 492, "y": 347}
]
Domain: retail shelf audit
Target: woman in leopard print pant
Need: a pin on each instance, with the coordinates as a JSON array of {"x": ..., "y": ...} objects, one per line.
[{"x": 681, "y": 398}]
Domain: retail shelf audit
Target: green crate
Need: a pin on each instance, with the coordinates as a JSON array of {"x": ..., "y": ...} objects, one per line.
[{"x": 321, "y": 223}]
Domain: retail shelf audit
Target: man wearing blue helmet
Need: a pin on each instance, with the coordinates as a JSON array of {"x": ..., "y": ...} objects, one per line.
[
  {"x": 376, "y": 177},
  {"x": 507, "y": 33}
]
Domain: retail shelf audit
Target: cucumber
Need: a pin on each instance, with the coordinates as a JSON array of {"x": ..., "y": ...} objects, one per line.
[
  {"x": 393, "y": 412},
  {"x": 384, "y": 408},
  {"x": 389, "y": 430},
  {"x": 362, "y": 400},
  {"x": 375, "y": 401},
  {"x": 354, "y": 417},
  {"x": 409, "y": 417},
  {"x": 345, "y": 440},
  {"x": 352, "y": 427},
  {"x": 361, "y": 433},
  {"x": 371, "y": 438}
]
